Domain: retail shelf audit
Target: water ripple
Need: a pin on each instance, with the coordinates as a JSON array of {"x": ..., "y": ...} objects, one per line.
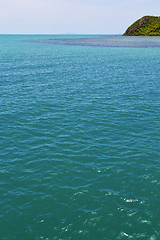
[{"x": 79, "y": 142}]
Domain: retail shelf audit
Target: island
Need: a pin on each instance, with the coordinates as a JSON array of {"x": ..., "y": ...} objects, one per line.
[{"x": 145, "y": 26}]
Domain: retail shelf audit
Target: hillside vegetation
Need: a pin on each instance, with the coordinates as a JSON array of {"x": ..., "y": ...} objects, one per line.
[{"x": 145, "y": 26}]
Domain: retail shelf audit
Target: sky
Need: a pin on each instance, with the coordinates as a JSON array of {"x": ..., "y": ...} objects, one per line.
[{"x": 72, "y": 16}]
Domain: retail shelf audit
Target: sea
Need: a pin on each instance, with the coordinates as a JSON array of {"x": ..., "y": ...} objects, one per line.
[{"x": 79, "y": 137}]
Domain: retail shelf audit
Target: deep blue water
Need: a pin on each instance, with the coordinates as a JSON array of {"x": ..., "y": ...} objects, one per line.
[{"x": 80, "y": 138}]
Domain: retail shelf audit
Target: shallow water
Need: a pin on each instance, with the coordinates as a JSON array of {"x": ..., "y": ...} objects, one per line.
[
  {"x": 79, "y": 130},
  {"x": 105, "y": 41}
]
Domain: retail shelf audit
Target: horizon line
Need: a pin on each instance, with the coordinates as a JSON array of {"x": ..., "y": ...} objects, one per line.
[{"x": 61, "y": 33}]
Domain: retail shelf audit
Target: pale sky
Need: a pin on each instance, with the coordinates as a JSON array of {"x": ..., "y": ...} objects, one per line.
[{"x": 72, "y": 16}]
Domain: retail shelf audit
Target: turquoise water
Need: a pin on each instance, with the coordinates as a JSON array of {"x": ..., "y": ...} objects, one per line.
[{"x": 79, "y": 133}]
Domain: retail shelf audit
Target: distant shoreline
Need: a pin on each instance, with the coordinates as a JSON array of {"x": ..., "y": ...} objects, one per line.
[{"x": 145, "y": 26}]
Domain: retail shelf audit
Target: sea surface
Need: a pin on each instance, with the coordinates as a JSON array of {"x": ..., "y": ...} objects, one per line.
[{"x": 79, "y": 137}]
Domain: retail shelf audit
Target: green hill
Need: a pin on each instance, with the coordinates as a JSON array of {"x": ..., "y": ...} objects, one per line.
[{"x": 145, "y": 26}]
